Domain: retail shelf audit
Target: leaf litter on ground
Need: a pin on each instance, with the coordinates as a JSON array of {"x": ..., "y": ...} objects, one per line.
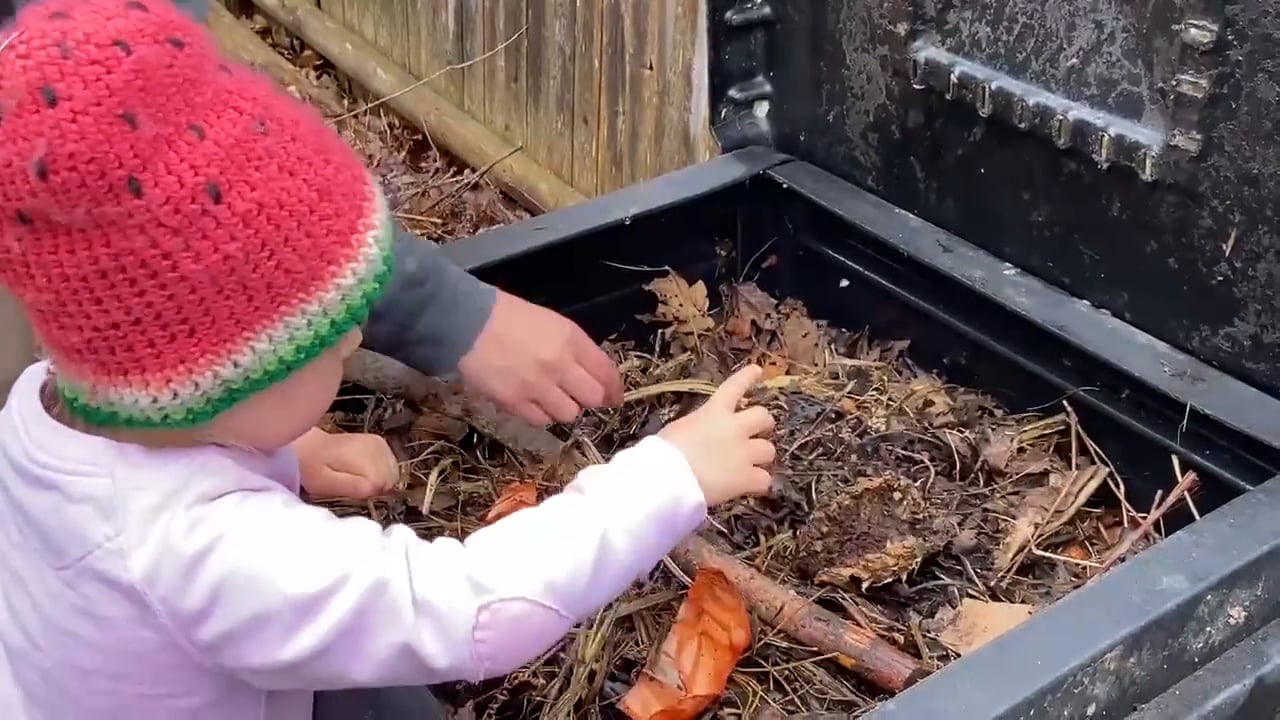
[
  {"x": 919, "y": 510},
  {"x": 432, "y": 194}
]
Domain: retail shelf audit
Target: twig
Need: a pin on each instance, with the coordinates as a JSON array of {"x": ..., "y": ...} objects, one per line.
[
  {"x": 1187, "y": 481},
  {"x": 429, "y": 78}
]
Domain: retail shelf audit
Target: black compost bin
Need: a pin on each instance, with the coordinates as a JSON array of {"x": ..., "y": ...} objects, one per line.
[
  {"x": 1125, "y": 152},
  {"x": 857, "y": 261}
]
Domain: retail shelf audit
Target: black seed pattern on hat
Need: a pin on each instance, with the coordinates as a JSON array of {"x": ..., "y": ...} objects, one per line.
[
  {"x": 260, "y": 126},
  {"x": 224, "y": 69},
  {"x": 137, "y": 6},
  {"x": 23, "y": 218},
  {"x": 196, "y": 130},
  {"x": 135, "y": 187},
  {"x": 59, "y": 15},
  {"x": 64, "y": 50},
  {"x": 50, "y": 97},
  {"x": 177, "y": 43},
  {"x": 124, "y": 47},
  {"x": 129, "y": 119},
  {"x": 215, "y": 192},
  {"x": 40, "y": 168}
]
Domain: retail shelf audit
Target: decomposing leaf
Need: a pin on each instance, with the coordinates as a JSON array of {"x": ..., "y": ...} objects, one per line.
[
  {"x": 683, "y": 305},
  {"x": 752, "y": 310},
  {"x": 801, "y": 337},
  {"x": 998, "y": 448},
  {"x": 977, "y": 622},
  {"x": 1044, "y": 509},
  {"x": 691, "y": 669},
  {"x": 431, "y": 425},
  {"x": 513, "y": 498},
  {"x": 874, "y": 532}
]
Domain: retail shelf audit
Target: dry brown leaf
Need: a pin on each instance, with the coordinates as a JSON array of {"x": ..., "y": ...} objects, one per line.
[
  {"x": 752, "y": 309},
  {"x": 977, "y": 622},
  {"x": 514, "y": 497},
  {"x": 801, "y": 338},
  {"x": 434, "y": 425},
  {"x": 692, "y": 667},
  {"x": 998, "y": 449},
  {"x": 683, "y": 305}
]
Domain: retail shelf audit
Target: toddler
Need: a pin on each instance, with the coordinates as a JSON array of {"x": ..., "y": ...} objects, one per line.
[{"x": 195, "y": 250}]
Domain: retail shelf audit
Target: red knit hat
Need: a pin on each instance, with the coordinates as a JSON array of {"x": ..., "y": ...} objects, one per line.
[{"x": 181, "y": 232}]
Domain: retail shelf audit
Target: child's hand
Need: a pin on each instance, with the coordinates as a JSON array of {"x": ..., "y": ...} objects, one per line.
[
  {"x": 347, "y": 465},
  {"x": 720, "y": 442}
]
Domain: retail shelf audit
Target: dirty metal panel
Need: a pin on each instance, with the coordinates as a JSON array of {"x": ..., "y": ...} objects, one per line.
[{"x": 1125, "y": 151}]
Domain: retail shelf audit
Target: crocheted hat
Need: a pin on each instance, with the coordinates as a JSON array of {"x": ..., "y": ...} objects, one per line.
[{"x": 181, "y": 232}]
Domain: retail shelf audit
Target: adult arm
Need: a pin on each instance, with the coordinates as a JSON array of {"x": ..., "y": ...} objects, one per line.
[
  {"x": 432, "y": 310},
  {"x": 288, "y": 596}
]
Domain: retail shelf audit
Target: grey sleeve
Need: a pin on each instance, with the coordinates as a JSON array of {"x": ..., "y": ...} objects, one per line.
[{"x": 431, "y": 311}]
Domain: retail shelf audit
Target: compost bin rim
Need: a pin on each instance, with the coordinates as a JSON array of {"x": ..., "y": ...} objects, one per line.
[
  {"x": 1152, "y": 361},
  {"x": 620, "y": 206}
]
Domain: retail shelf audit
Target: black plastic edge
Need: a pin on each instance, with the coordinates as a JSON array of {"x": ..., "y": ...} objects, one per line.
[
  {"x": 1244, "y": 682},
  {"x": 621, "y": 206},
  {"x": 1149, "y": 360},
  {"x": 1133, "y": 633}
]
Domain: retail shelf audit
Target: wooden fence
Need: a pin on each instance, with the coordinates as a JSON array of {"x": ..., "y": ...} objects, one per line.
[{"x": 602, "y": 93}]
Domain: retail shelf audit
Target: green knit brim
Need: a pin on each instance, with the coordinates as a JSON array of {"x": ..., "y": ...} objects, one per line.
[{"x": 321, "y": 334}]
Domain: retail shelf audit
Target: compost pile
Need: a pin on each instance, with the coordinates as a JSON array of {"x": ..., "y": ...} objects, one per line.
[{"x": 907, "y": 511}]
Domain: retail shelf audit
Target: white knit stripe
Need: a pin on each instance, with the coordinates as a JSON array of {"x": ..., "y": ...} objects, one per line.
[{"x": 201, "y": 385}]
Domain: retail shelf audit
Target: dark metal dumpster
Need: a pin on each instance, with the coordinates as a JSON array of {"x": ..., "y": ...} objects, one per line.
[
  {"x": 858, "y": 261},
  {"x": 1125, "y": 152}
]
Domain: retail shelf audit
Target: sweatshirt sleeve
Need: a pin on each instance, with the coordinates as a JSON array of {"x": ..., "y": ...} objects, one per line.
[
  {"x": 289, "y": 596},
  {"x": 432, "y": 310}
]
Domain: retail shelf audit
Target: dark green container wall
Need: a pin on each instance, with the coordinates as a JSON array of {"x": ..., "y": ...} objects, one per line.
[{"x": 921, "y": 103}]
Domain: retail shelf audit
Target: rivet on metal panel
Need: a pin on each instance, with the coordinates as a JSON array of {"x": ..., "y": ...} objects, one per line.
[
  {"x": 1105, "y": 150},
  {"x": 1020, "y": 118},
  {"x": 1061, "y": 131},
  {"x": 1147, "y": 166},
  {"x": 984, "y": 100},
  {"x": 1187, "y": 140},
  {"x": 1199, "y": 34},
  {"x": 1196, "y": 86}
]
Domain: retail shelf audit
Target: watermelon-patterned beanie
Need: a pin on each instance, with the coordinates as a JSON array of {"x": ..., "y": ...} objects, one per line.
[{"x": 181, "y": 232}]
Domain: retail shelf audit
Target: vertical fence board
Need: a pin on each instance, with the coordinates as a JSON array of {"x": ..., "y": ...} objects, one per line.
[
  {"x": 588, "y": 33},
  {"x": 644, "y": 85},
  {"x": 388, "y": 20},
  {"x": 506, "y": 80},
  {"x": 611, "y": 147},
  {"x": 549, "y": 91},
  {"x": 475, "y": 76},
  {"x": 436, "y": 26},
  {"x": 676, "y": 59}
]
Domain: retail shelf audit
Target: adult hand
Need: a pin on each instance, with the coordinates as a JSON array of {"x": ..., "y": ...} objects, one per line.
[{"x": 539, "y": 365}]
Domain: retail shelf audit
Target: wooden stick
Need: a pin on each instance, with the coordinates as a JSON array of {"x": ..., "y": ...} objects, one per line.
[
  {"x": 528, "y": 182},
  {"x": 242, "y": 44},
  {"x": 390, "y": 377},
  {"x": 862, "y": 651}
]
